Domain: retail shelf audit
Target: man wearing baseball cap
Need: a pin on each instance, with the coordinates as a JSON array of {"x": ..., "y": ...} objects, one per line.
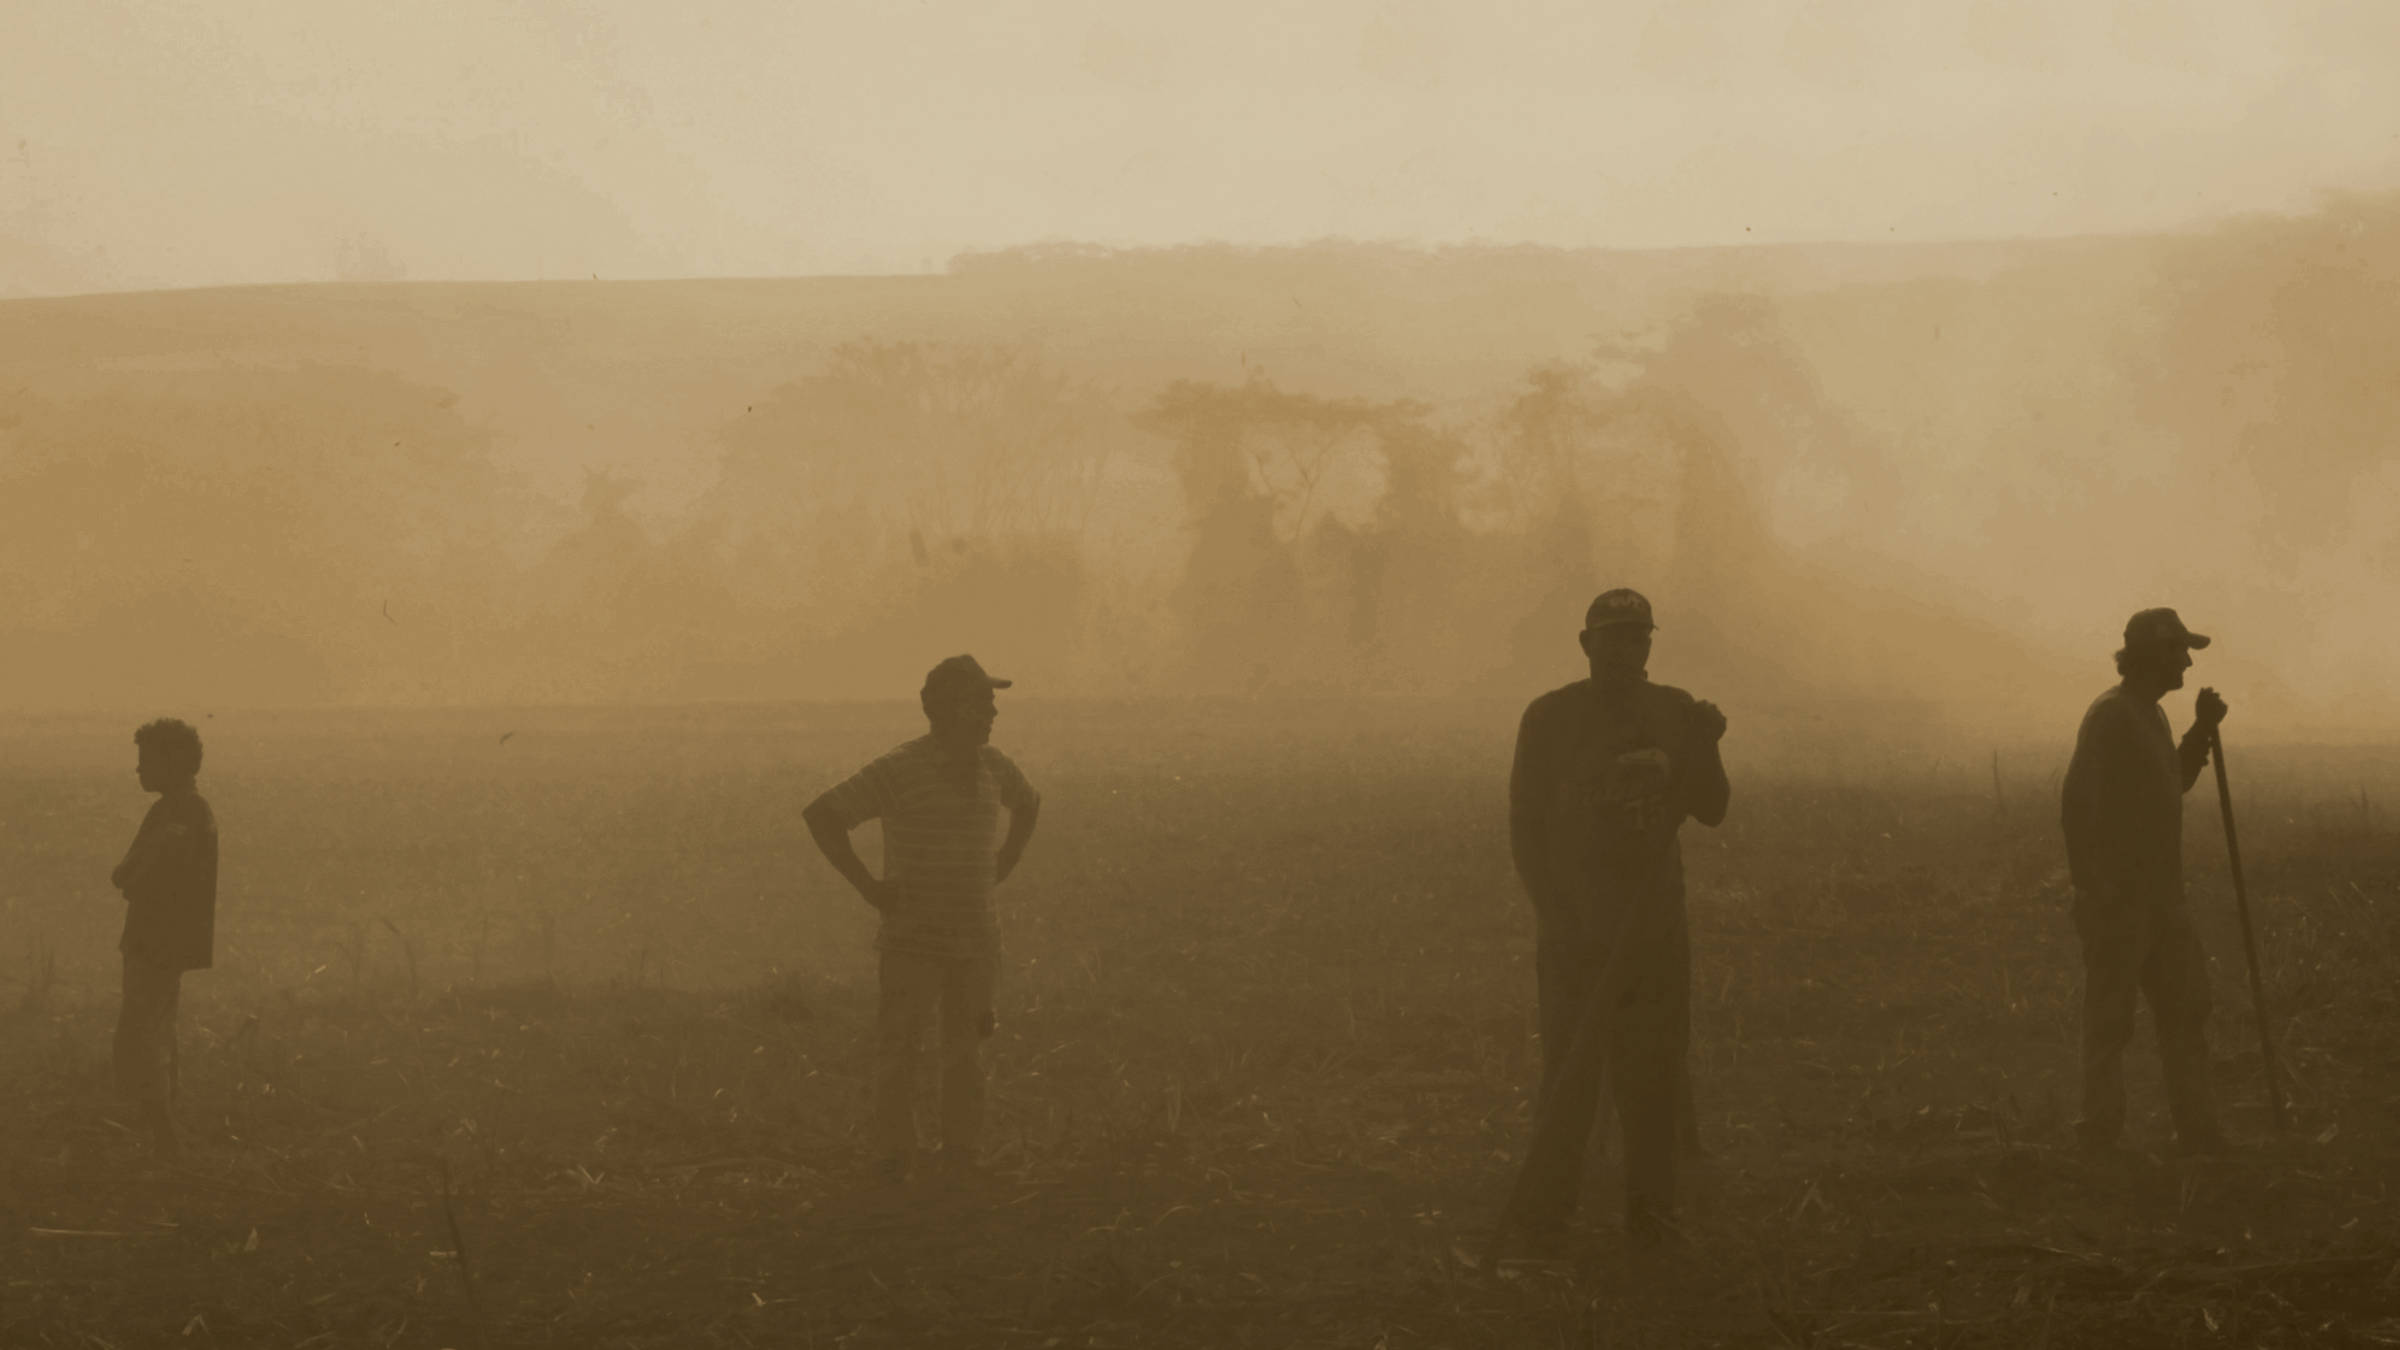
[
  {"x": 939, "y": 798},
  {"x": 2122, "y": 810},
  {"x": 1607, "y": 770}
]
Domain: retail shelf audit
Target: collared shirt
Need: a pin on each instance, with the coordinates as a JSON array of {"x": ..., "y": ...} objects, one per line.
[
  {"x": 2121, "y": 805},
  {"x": 940, "y": 841},
  {"x": 1574, "y": 842},
  {"x": 171, "y": 894}
]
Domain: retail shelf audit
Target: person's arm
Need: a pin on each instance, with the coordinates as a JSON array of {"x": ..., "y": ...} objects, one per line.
[
  {"x": 1021, "y": 818},
  {"x": 1024, "y": 809},
  {"x": 1706, "y": 793},
  {"x": 153, "y": 849},
  {"x": 2192, "y": 754},
  {"x": 829, "y": 822},
  {"x": 1528, "y": 817},
  {"x": 127, "y": 867},
  {"x": 2075, "y": 807}
]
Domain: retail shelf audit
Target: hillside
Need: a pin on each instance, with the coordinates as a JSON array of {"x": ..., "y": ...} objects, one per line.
[
  {"x": 641, "y": 374},
  {"x": 1938, "y": 473}
]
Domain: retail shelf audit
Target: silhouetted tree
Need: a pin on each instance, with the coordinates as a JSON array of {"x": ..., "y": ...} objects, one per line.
[
  {"x": 2273, "y": 364},
  {"x": 292, "y": 536},
  {"x": 1308, "y": 515},
  {"x": 908, "y": 489}
]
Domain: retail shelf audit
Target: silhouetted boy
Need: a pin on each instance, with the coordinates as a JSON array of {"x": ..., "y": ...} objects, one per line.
[{"x": 169, "y": 880}]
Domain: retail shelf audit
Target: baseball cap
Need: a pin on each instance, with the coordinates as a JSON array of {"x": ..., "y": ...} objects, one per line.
[
  {"x": 2160, "y": 627},
  {"x": 960, "y": 674},
  {"x": 1620, "y": 606}
]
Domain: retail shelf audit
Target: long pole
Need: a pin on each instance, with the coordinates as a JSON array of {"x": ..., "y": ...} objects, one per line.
[{"x": 2241, "y": 903}]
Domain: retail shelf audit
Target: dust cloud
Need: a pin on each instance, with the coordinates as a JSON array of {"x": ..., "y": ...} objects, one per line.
[{"x": 1858, "y": 481}]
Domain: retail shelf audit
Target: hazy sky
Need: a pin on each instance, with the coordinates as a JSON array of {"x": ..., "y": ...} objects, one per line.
[{"x": 192, "y": 142}]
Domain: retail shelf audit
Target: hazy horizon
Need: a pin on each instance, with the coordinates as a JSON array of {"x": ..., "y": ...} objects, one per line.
[
  {"x": 157, "y": 146},
  {"x": 1889, "y": 474},
  {"x": 544, "y": 447},
  {"x": 1899, "y": 350}
]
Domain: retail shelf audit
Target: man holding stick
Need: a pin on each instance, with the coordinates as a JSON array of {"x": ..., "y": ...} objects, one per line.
[
  {"x": 2122, "y": 810},
  {"x": 1606, "y": 770}
]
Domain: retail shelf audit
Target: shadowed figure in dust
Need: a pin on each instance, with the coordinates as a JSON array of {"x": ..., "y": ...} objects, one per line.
[
  {"x": 169, "y": 880},
  {"x": 2122, "y": 810},
  {"x": 1607, "y": 769},
  {"x": 939, "y": 798}
]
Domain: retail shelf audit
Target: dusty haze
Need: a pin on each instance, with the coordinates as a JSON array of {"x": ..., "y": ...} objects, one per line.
[
  {"x": 541, "y": 445},
  {"x": 1920, "y": 477},
  {"x": 183, "y": 145},
  {"x": 1720, "y": 351}
]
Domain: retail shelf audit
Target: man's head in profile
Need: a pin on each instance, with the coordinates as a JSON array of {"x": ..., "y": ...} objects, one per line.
[
  {"x": 959, "y": 702},
  {"x": 2158, "y": 649}
]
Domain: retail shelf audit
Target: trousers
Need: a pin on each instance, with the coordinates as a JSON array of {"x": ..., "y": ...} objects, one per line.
[
  {"x": 1646, "y": 1039},
  {"x": 2134, "y": 950},
  {"x": 917, "y": 990},
  {"x": 145, "y": 1052}
]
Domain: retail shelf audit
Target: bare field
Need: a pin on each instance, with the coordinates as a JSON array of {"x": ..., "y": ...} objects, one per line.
[{"x": 572, "y": 992}]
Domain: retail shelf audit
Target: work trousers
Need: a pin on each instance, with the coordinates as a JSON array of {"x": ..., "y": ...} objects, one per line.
[
  {"x": 145, "y": 1043},
  {"x": 1645, "y": 1038},
  {"x": 2133, "y": 949},
  {"x": 918, "y": 990}
]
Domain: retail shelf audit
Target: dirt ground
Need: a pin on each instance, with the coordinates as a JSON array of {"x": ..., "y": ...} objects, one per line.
[{"x": 550, "y": 1029}]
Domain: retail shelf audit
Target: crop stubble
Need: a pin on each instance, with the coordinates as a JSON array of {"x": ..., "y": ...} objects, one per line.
[{"x": 584, "y": 1002}]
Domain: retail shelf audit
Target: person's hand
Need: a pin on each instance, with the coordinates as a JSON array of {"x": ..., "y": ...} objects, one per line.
[
  {"x": 1005, "y": 864},
  {"x": 880, "y": 893},
  {"x": 1709, "y": 721},
  {"x": 2208, "y": 709},
  {"x": 1646, "y": 814},
  {"x": 150, "y": 843}
]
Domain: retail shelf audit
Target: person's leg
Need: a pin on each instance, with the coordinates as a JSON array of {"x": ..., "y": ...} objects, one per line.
[
  {"x": 172, "y": 1013},
  {"x": 2175, "y": 977},
  {"x": 966, "y": 1020},
  {"x": 1562, "y": 971},
  {"x": 133, "y": 1019},
  {"x": 1565, "y": 973},
  {"x": 910, "y": 986},
  {"x": 1651, "y": 1049},
  {"x": 165, "y": 1085},
  {"x": 1687, "y": 1111},
  {"x": 2112, "y": 949},
  {"x": 144, "y": 1048}
]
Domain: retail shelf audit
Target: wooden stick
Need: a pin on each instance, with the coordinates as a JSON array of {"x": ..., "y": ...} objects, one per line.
[{"x": 2241, "y": 902}]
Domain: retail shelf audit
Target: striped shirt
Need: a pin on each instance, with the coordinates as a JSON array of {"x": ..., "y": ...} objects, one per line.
[{"x": 940, "y": 841}]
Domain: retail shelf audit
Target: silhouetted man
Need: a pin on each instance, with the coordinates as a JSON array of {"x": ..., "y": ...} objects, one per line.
[
  {"x": 169, "y": 880},
  {"x": 2122, "y": 809},
  {"x": 939, "y": 798},
  {"x": 1607, "y": 769}
]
